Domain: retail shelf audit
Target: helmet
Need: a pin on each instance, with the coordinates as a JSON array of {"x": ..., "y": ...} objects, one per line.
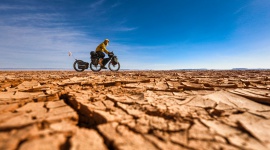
[{"x": 107, "y": 40}]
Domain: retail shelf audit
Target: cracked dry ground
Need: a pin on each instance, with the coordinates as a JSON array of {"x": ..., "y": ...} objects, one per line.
[{"x": 135, "y": 110}]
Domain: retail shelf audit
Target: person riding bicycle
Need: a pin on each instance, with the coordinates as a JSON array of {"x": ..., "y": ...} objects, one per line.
[{"x": 100, "y": 49}]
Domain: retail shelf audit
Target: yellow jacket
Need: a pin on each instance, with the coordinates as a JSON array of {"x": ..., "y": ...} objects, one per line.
[{"x": 102, "y": 48}]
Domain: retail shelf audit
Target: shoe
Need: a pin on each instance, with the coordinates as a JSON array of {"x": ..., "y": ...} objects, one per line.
[{"x": 103, "y": 67}]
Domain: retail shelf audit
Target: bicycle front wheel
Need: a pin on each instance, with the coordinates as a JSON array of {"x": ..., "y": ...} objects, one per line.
[{"x": 114, "y": 66}]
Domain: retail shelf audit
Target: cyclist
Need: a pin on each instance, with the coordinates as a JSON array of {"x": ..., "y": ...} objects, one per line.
[{"x": 100, "y": 49}]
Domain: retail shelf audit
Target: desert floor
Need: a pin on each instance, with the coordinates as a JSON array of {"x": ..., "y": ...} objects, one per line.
[{"x": 135, "y": 110}]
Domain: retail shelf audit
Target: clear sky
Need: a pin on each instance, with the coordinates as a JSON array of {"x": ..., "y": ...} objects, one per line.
[{"x": 144, "y": 34}]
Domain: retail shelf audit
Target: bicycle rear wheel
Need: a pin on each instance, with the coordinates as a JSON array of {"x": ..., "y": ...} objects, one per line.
[{"x": 95, "y": 68}]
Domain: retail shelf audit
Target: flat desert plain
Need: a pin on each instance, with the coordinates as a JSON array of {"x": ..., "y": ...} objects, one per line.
[{"x": 135, "y": 110}]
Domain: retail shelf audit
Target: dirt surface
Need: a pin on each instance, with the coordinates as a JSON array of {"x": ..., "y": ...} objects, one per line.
[{"x": 134, "y": 110}]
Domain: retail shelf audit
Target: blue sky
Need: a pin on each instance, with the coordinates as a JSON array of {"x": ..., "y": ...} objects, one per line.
[{"x": 144, "y": 34}]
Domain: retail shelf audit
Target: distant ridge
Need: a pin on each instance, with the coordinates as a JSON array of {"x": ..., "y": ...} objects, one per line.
[
  {"x": 240, "y": 69},
  {"x": 200, "y": 69},
  {"x": 250, "y": 69}
]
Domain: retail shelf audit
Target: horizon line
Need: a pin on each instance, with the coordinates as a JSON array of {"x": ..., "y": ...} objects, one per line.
[{"x": 185, "y": 69}]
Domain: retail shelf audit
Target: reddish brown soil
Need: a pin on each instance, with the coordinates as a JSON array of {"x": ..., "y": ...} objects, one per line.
[{"x": 135, "y": 110}]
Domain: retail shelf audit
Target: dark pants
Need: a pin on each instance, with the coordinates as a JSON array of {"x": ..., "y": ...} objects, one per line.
[{"x": 100, "y": 54}]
